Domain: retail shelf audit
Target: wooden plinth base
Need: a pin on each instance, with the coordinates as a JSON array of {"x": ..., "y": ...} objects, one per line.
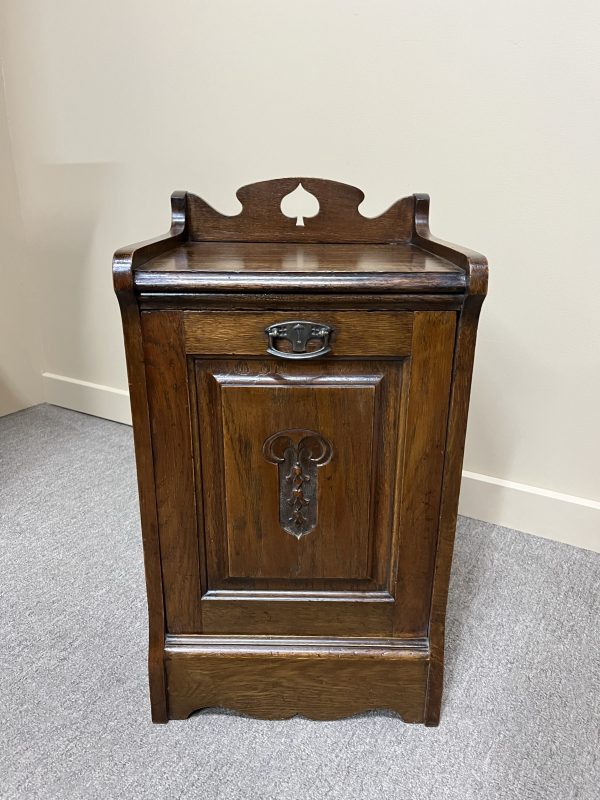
[{"x": 277, "y": 678}]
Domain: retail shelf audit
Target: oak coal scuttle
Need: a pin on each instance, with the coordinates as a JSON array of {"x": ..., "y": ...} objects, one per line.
[{"x": 299, "y": 391}]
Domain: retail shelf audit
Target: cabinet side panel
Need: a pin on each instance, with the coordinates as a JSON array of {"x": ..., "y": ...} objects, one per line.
[
  {"x": 168, "y": 401},
  {"x": 430, "y": 377},
  {"x": 146, "y": 488},
  {"x": 457, "y": 427}
]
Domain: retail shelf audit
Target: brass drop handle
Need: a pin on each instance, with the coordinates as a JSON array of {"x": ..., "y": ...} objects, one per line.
[{"x": 299, "y": 333}]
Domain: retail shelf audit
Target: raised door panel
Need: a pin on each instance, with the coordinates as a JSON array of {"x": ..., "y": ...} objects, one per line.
[
  {"x": 298, "y": 463},
  {"x": 293, "y": 474},
  {"x": 261, "y": 423}
]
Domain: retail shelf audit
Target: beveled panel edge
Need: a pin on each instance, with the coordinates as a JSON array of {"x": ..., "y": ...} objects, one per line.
[
  {"x": 373, "y": 590},
  {"x": 301, "y": 283},
  {"x": 197, "y": 643},
  {"x": 265, "y": 381},
  {"x": 303, "y": 596}
]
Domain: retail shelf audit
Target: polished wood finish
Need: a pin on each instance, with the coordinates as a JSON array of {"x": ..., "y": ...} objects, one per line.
[
  {"x": 325, "y": 282},
  {"x": 248, "y": 257},
  {"x": 355, "y": 404},
  {"x": 356, "y": 333},
  {"x": 252, "y": 413},
  {"x": 423, "y": 461},
  {"x": 320, "y": 679},
  {"x": 298, "y": 515},
  {"x": 249, "y": 302},
  {"x": 166, "y": 379},
  {"x": 262, "y": 219},
  {"x": 476, "y": 268}
]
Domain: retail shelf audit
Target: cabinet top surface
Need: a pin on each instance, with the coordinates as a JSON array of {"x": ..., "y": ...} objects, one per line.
[
  {"x": 271, "y": 246},
  {"x": 258, "y": 257}
]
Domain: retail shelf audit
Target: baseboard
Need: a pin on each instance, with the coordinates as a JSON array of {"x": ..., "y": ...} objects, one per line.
[
  {"x": 90, "y": 398},
  {"x": 541, "y": 512}
]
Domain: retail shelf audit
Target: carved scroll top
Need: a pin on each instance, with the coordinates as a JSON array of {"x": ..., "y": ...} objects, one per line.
[
  {"x": 331, "y": 215},
  {"x": 317, "y": 448}
]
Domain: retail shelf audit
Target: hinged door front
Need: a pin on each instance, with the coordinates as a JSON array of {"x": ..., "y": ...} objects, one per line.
[{"x": 299, "y": 494}]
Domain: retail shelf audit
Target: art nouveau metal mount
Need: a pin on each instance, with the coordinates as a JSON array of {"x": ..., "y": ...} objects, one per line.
[{"x": 297, "y": 454}]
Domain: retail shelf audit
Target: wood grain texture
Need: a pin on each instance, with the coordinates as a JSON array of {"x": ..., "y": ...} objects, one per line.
[
  {"x": 243, "y": 257},
  {"x": 262, "y": 220},
  {"x": 476, "y": 268},
  {"x": 142, "y": 438},
  {"x": 300, "y": 283},
  {"x": 133, "y": 256},
  {"x": 472, "y": 262},
  {"x": 274, "y": 682},
  {"x": 166, "y": 375},
  {"x": 242, "y": 403},
  {"x": 305, "y": 614},
  {"x": 124, "y": 262},
  {"x": 276, "y": 302},
  {"x": 339, "y": 545},
  {"x": 357, "y": 621},
  {"x": 457, "y": 427},
  {"x": 356, "y": 333},
  {"x": 430, "y": 376}
]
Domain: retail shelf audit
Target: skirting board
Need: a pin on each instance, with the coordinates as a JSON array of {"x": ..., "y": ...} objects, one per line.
[
  {"x": 541, "y": 512},
  {"x": 89, "y": 398}
]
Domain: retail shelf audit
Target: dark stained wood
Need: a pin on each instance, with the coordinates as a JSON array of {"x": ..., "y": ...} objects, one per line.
[
  {"x": 233, "y": 257},
  {"x": 430, "y": 374},
  {"x": 344, "y": 612},
  {"x": 276, "y": 680},
  {"x": 170, "y": 419},
  {"x": 356, "y": 333},
  {"x": 127, "y": 259},
  {"x": 339, "y": 544},
  {"x": 457, "y": 425},
  {"x": 476, "y": 268},
  {"x": 262, "y": 220},
  {"x": 147, "y": 498},
  {"x": 473, "y": 263},
  {"x": 249, "y": 302},
  {"x": 241, "y": 404},
  {"x": 305, "y": 613},
  {"x": 300, "y": 283}
]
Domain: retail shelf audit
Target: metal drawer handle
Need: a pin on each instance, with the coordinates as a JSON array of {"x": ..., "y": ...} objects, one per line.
[{"x": 299, "y": 333}]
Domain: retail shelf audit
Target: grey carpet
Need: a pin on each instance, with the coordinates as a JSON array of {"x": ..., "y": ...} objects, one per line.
[{"x": 521, "y": 710}]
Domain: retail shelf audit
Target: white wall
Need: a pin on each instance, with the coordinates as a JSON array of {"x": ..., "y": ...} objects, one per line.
[
  {"x": 490, "y": 107},
  {"x": 20, "y": 354}
]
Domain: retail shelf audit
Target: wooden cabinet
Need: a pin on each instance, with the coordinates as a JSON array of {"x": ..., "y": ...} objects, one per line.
[{"x": 299, "y": 398}]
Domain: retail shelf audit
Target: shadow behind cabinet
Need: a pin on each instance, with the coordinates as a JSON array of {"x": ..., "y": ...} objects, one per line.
[{"x": 299, "y": 392}]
